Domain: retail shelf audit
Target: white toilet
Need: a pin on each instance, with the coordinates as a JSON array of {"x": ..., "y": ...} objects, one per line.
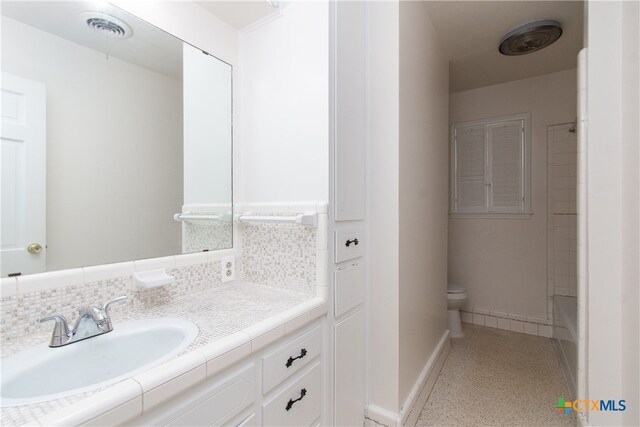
[{"x": 456, "y": 298}]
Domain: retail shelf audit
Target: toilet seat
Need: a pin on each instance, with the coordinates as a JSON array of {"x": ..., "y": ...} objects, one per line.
[
  {"x": 455, "y": 289},
  {"x": 457, "y": 296}
]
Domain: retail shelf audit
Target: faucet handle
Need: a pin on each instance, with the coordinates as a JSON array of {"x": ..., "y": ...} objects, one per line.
[
  {"x": 106, "y": 307},
  {"x": 61, "y": 332},
  {"x": 58, "y": 318}
]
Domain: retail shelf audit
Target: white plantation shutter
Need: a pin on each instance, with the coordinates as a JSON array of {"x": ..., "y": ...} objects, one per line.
[
  {"x": 505, "y": 144},
  {"x": 470, "y": 169},
  {"x": 490, "y": 166}
]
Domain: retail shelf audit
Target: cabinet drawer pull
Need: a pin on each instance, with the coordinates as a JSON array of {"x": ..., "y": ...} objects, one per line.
[
  {"x": 303, "y": 353},
  {"x": 303, "y": 393},
  {"x": 349, "y": 242}
]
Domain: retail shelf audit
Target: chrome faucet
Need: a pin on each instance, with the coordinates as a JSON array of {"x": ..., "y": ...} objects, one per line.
[{"x": 92, "y": 321}]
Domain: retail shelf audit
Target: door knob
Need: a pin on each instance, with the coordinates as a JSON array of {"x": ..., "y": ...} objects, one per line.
[{"x": 34, "y": 248}]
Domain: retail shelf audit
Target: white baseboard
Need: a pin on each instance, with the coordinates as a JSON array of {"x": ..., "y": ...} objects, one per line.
[
  {"x": 422, "y": 388},
  {"x": 382, "y": 416},
  {"x": 412, "y": 407}
]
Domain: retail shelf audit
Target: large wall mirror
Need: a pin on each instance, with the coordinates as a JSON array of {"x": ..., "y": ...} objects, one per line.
[{"x": 116, "y": 140}]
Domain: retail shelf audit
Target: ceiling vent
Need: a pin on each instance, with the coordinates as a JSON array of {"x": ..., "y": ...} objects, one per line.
[
  {"x": 530, "y": 37},
  {"x": 106, "y": 25}
]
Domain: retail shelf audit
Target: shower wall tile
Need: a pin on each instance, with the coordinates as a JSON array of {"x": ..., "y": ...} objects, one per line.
[
  {"x": 507, "y": 322},
  {"x": 562, "y": 229}
]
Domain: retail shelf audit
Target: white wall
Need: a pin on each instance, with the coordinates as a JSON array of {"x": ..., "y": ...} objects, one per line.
[
  {"x": 284, "y": 97},
  {"x": 98, "y": 143},
  {"x": 383, "y": 176},
  {"x": 423, "y": 195},
  {"x": 503, "y": 262},
  {"x": 631, "y": 210},
  {"x": 407, "y": 175},
  {"x": 613, "y": 186}
]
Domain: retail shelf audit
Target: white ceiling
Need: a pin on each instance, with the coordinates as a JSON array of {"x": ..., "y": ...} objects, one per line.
[
  {"x": 238, "y": 13},
  {"x": 470, "y": 32},
  {"x": 148, "y": 47}
]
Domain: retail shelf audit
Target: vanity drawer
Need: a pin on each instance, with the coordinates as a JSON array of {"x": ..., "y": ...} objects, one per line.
[
  {"x": 303, "y": 398},
  {"x": 349, "y": 288},
  {"x": 249, "y": 421},
  {"x": 213, "y": 402},
  {"x": 349, "y": 244},
  {"x": 288, "y": 359}
]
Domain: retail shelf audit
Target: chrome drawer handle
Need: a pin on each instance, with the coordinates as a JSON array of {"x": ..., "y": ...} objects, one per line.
[
  {"x": 349, "y": 242},
  {"x": 303, "y": 353},
  {"x": 303, "y": 393}
]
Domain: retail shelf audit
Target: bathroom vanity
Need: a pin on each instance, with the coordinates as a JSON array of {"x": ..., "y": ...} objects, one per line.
[
  {"x": 139, "y": 183},
  {"x": 279, "y": 385},
  {"x": 258, "y": 351}
]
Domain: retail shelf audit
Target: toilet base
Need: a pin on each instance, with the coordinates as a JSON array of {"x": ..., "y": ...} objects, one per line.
[{"x": 455, "y": 325}]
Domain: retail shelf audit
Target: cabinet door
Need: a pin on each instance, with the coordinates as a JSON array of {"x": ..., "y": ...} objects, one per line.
[
  {"x": 349, "y": 381},
  {"x": 351, "y": 110},
  {"x": 349, "y": 288}
]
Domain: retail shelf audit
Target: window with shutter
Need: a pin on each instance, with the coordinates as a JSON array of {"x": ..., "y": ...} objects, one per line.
[
  {"x": 470, "y": 171},
  {"x": 505, "y": 167},
  {"x": 490, "y": 167}
]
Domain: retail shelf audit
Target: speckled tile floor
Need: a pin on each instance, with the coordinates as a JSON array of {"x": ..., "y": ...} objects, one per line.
[{"x": 497, "y": 378}]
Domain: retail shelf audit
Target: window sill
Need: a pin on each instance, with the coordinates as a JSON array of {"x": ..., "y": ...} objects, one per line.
[{"x": 491, "y": 215}]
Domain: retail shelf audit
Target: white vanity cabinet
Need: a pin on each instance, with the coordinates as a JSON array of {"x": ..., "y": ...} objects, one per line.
[
  {"x": 348, "y": 224},
  {"x": 350, "y": 126},
  {"x": 280, "y": 385}
]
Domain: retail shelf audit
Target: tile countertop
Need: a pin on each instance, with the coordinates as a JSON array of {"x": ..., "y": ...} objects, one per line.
[{"x": 234, "y": 320}]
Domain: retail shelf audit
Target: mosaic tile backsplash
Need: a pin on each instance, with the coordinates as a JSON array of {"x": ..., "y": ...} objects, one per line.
[
  {"x": 280, "y": 255},
  {"x": 18, "y": 313},
  {"x": 198, "y": 236},
  {"x": 276, "y": 255}
]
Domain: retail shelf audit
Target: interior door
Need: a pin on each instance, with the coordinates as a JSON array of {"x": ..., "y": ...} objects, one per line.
[{"x": 23, "y": 157}]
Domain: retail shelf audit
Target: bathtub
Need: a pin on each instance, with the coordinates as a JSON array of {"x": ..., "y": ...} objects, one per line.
[{"x": 565, "y": 337}]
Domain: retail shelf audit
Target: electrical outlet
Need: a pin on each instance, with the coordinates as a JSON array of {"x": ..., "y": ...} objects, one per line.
[{"x": 228, "y": 265}]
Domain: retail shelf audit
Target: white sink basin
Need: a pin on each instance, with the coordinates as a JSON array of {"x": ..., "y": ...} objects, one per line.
[{"x": 42, "y": 373}]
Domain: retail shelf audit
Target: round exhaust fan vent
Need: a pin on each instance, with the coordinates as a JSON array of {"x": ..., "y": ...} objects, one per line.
[
  {"x": 106, "y": 25},
  {"x": 530, "y": 37}
]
